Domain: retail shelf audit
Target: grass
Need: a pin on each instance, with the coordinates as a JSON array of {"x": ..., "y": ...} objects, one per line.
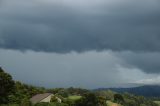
[
  {"x": 74, "y": 97},
  {"x": 109, "y": 103}
]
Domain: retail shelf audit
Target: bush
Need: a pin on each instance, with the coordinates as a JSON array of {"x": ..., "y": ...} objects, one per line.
[
  {"x": 89, "y": 99},
  {"x": 54, "y": 99},
  {"x": 129, "y": 102},
  {"x": 69, "y": 102},
  {"x": 58, "y": 104},
  {"x": 25, "y": 102},
  {"x": 42, "y": 104},
  {"x": 101, "y": 101},
  {"x": 118, "y": 98}
]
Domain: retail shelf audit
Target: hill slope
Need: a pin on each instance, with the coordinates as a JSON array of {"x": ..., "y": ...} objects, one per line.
[{"x": 147, "y": 91}]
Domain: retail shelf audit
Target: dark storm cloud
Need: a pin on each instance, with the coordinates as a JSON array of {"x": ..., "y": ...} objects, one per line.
[
  {"x": 147, "y": 62},
  {"x": 64, "y": 26}
]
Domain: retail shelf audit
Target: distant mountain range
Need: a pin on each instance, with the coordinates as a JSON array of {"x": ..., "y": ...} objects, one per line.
[{"x": 147, "y": 90}]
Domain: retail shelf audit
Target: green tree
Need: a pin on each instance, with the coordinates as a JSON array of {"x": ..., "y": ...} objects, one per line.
[
  {"x": 23, "y": 91},
  {"x": 89, "y": 99},
  {"x": 69, "y": 102},
  {"x": 6, "y": 86}
]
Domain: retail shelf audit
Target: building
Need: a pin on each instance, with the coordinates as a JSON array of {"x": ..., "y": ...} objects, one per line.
[{"x": 46, "y": 97}]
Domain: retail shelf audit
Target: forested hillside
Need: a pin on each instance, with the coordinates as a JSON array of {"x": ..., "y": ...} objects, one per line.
[{"x": 147, "y": 90}]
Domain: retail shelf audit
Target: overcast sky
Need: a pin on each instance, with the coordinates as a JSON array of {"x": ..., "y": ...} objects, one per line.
[{"x": 81, "y": 43}]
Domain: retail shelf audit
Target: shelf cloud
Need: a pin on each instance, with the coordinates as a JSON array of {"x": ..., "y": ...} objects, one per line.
[{"x": 83, "y": 25}]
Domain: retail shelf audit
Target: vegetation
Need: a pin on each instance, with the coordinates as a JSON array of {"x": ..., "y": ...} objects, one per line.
[
  {"x": 109, "y": 103},
  {"x": 157, "y": 102},
  {"x": 6, "y": 86},
  {"x": 23, "y": 92},
  {"x": 14, "y": 93},
  {"x": 74, "y": 97},
  {"x": 141, "y": 90},
  {"x": 125, "y": 99},
  {"x": 118, "y": 98},
  {"x": 88, "y": 99}
]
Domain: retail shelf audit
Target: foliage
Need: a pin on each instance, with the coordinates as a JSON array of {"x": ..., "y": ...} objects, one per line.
[
  {"x": 146, "y": 90},
  {"x": 101, "y": 101},
  {"x": 25, "y": 102},
  {"x": 54, "y": 99},
  {"x": 42, "y": 104},
  {"x": 118, "y": 98},
  {"x": 63, "y": 93},
  {"x": 18, "y": 94},
  {"x": 88, "y": 99},
  {"x": 109, "y": 103},
  {"x": 58, "y": 104},
  {"x": 6, "y": 86},
  {"x": 77, "y": 91},
  {"x": 108, "y": 94},
  {"x": 157, "y": 102},
  {"x": 24, "y": 91},
  {"x": 51, "y": 104},
  {"x": 132, "y": 100},
  {"x": 9, "y": 105},
  {"x": 74, "y": 97},
  {"x": 55, "y": 90},
  {"x": 69, "y": 102},
  {"x": 67, "y": 92}
]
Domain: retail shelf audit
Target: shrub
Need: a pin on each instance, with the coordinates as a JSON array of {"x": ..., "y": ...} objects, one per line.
[{"x": 118, "y": 98}]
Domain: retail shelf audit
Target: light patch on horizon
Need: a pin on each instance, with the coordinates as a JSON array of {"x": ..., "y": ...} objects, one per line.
[{"x": 149, "y": 81}]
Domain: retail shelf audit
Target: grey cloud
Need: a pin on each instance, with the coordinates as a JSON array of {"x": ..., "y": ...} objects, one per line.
[
  {"x": 61, "y": 70},
  {"x": 87, "y": 70},
  {"x": 66, "y": 26},
  {"x": 147, "y": 62}
]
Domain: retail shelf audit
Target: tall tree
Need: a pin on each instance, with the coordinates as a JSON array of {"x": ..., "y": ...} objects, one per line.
[{"x": 6, "y": 86}]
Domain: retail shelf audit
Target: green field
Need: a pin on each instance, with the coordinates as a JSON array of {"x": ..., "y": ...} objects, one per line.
[{"x": 74, "y": 97}]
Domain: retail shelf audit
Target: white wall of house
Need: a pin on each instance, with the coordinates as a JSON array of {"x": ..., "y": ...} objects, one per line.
[{"x": 59, "y": 100}]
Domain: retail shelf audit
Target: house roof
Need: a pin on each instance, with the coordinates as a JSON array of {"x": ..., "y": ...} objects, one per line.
[{"x": 37, "y": 98}]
